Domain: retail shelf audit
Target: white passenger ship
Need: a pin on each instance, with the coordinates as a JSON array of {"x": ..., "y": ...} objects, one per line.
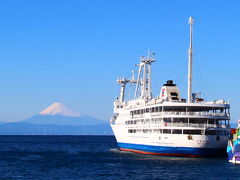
[{"x": 167, "y": 124}]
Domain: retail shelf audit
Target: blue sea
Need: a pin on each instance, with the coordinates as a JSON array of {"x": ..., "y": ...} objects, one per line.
[{"x": 97, "y": 157}]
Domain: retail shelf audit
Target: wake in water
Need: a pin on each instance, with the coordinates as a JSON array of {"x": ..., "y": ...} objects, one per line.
[{"x": 119, "y": 151}]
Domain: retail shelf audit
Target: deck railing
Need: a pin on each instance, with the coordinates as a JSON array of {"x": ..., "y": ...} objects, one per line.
[
  {"x": 202, "y": 114},
  {"x": 193, "y": 125}
]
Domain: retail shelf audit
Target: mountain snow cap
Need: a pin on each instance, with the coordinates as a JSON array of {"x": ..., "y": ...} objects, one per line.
[{"x": 59, "y": 109}]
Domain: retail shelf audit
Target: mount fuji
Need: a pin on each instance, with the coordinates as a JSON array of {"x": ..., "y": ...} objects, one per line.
[
  {"x": 60, "y": 114},
  {"x": 60, "y": 109}
]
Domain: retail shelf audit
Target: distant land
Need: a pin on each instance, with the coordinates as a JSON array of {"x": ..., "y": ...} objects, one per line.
[{"x": 57, "y": 119}]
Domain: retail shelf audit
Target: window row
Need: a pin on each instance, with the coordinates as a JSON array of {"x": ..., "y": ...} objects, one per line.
[
  {"x": 176, "y": 120},
  {"x": 166, "y": 131},
  {"x": 147, "y": 110},
  {"x": 178, "y": 110},
  {"x": 179, "y": 131}
]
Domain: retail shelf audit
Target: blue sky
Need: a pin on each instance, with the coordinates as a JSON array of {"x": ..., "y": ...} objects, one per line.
[{"x": 73, "y": 51}]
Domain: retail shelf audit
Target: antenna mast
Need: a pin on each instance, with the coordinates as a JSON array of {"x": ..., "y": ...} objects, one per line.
[
  {"x": 146, "y": 84},
  {"x": 190, "y": 21}
]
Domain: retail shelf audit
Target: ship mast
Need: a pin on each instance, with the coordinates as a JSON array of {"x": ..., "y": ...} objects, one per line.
[
  {"x": 146, "y": 84},
  {"x": 190, "y": 62},
  {"x": 123, "y": 83},
  {"x": 144, "y": 77}
]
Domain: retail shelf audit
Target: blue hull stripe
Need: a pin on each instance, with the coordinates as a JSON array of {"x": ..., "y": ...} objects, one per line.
[{"x": 174, "y": 150}]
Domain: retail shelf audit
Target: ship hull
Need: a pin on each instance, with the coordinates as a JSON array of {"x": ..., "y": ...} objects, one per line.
[
  {"x": 172, "y": 151},
  {"x": 171, "y": 144}
]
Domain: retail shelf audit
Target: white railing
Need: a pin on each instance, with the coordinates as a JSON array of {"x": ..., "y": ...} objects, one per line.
[
  {"x": 202, "y": 114},
  {"x": 158, "y": 125},
  {"x": 194, "y": 114}
]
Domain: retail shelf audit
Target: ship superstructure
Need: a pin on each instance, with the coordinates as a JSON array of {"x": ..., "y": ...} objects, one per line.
[{"x": 167, "y": 124}]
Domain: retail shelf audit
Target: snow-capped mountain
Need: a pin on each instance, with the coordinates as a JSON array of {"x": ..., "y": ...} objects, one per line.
[
  {"x": 60, "y": 114},
  {"x": 60, "y": 109}
]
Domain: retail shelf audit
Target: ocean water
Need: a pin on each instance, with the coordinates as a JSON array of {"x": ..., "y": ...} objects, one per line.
[{"x": 97, "y": 157}]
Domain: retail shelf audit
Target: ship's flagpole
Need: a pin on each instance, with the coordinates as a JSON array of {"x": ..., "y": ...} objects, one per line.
[{"x": 190, "y": 62}]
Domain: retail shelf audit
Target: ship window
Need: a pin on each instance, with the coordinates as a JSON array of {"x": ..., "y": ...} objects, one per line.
[
  {"x": 174, "y": 94},
  {"x": 180, "y": 120},
  {"x": 153, "y": 109},
  {"x": 192, "y": 131},
  {"x": 221, "y": 133},
  {"x": 174, "y": 98},
  {"x": 177, "y": 131},
  {"x": 132, "y": 131},
  {"x": 211, "y": 121},
  {"x": 147, "y": 110},
  {"x": 166, "y": 131},
  {"x": 183, "y": 100},
  {"x": 168, "y": 120},
  {"x": 211, "y": 132},
  {"x": 160, "y": 108},
  {"x": 197, "y": 121},
  {"x": 186, "y": 131},
  {"x": 196, "y": 132}
]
